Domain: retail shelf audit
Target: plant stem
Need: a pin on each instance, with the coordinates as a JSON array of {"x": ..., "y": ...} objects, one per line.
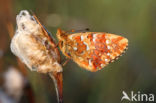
[{"x": 58, "y": 82}]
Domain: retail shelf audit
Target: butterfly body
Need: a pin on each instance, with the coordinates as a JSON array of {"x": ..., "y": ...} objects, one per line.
[{"x": 91, "y": 50}]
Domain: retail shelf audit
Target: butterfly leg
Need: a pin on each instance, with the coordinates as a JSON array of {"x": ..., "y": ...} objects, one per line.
[
  {"x": 65, "y": 62},
  {"x": 56, "y": 45}
]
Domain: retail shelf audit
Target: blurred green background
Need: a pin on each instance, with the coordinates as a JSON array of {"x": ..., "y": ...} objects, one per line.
[{"x": 134, "y": 71}]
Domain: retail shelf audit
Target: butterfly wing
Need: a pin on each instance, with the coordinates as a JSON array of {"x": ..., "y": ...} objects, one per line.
[{"x": 94, "y": 50}]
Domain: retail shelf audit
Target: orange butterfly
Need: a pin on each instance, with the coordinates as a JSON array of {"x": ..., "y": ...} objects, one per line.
[{"x": 91, "y": 50}]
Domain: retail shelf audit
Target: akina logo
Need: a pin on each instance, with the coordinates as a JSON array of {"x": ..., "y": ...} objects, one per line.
[{"x": 138, "y": 96}]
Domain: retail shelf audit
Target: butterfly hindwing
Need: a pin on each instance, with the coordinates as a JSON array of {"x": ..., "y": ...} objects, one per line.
[{"x": 93, "y": 50}]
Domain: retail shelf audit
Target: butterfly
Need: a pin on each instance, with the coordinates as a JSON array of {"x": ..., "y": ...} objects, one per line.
[{"x": 91, "y": 50}]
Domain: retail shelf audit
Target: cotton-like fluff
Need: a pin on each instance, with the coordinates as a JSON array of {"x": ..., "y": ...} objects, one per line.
[{"x": 33, "y": 45}]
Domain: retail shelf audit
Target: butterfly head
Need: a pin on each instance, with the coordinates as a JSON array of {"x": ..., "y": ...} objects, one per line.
[{"x": 61, "y": 35}]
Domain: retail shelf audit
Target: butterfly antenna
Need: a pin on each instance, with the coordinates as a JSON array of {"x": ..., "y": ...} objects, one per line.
[
  {"x": 87, "y": 29},
  {"x": 82, "y": 30}
]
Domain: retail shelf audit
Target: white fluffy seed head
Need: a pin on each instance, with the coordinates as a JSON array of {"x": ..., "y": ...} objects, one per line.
[
  {"x": 29, "y": 44},
  {"x": 26, "y": 23}
]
